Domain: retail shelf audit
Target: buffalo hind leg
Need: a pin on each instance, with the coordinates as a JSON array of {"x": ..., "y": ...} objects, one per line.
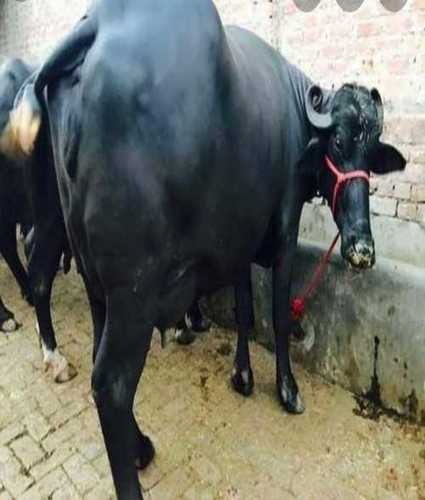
[
  {"x": 8, "y": 248},
  {"x": 144, "y": 449},
  {"x": 242, "y": 377},
  {"x": 98, "y": 312},
  {"x": 44, "y": 257},
  {"x": 119, "y": 364}
]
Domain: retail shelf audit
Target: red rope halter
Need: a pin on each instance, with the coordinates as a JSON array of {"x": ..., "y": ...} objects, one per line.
[
  {"x": 342, "y": 178},
  {"x": 298, "y": 303}
]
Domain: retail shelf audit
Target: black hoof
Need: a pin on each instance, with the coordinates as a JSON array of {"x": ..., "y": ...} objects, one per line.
[
  {"x": 201, "y": 326},
  {"x": 289, "y": 396},
  {"x": 146, "y": 453},
  {"x": 185, "y": 337},
  {"x": 243, "y": 381}
]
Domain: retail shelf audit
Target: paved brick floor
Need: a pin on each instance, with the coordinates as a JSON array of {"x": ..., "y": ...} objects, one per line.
[{"x": 211, "y": 443}]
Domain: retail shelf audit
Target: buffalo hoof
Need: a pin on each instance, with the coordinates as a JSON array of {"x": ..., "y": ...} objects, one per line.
[
  {"x": 289, "y": 396},
  {"x": 185, "y": 337},
  {"x": 57, "y": 364},
  {"x": 243, "y": 381},
  {"x": 146, "y": 453},
  {"x": 10, "y": 325},
  {"x": 201, "y": 326},
  {"x": 65, "y": 374}
]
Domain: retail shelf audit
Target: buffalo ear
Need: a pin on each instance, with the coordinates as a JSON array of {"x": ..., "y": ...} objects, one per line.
[
  {"x": 310, "y": 159},
  {"x": 387, "y": 159}
]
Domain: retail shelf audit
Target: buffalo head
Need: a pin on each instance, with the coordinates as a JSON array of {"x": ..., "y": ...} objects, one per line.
[{"x": 345, "y": 148}]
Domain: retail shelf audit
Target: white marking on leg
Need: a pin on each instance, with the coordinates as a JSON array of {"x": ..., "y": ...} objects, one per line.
[
  {"x": 184, "y": 336},
  {"x": 188, "y": 321},
  {"x": 245, "y": 376},
  {"x": 299, "y": 405},
  {"x": 62, "y": 371},
  {"x": 178, "y": 334}
]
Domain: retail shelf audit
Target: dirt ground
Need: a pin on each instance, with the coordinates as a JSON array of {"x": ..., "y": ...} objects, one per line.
[{"x": 211, "y": 443}]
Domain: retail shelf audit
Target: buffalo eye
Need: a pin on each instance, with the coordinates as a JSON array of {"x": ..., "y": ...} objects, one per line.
[{"x": 338, "y": 143}]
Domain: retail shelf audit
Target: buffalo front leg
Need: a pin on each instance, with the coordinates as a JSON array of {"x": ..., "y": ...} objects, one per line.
[
  {"x": 287, "y": 387},
  {"x": 145, "y": 451},
  {"x": 119, "y": 364},
  {"x": 193, "y": 321},
  {"x": 242, "y": 377},
  {"x": 43, "y": 263},
  {"x": 196, "y": 320},
  {"x": 184, "y": 335}
]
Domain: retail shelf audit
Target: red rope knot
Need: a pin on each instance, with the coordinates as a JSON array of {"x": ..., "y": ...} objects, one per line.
[
  {"x": 297, "y": 308},
  {"x": 298, "y": 304}
]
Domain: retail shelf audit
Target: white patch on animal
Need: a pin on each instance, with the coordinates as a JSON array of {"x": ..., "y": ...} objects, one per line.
[
  {"x": 184, "y": 337},
  {"x": 24, "y": 125},
  {"x": 188, "y": 321},
  {"x": 245, "y": 376},
  {"x": 62, "y": 371},
  {"x": 299, "y": 405},
  {"x": 178, "y": 333},
  {"x": 9, "y": 325}
]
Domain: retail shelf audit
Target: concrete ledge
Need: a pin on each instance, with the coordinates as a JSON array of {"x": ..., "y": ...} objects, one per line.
[
  {"x": 365, "y": 331},
  {"x": 396, "y": 239}
]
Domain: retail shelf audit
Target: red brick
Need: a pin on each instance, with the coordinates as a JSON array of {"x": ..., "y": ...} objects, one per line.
[
  {"x": 418, "y": 4},
  {"x": 400, "y": 64},
  {"x": 372, "y": 45},
  {"x": 370, "y": 28},
  {"x": 406, "y": 129}
]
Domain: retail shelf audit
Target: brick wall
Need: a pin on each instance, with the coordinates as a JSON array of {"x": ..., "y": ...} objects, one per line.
[
  {"x": 377, "y": 48},
  {"x": 371, "y": 46}
]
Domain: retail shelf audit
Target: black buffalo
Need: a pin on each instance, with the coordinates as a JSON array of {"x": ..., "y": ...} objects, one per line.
[
  {"x": 14, "y": 205},
  {"x": 16, "y": 208},
  {"x": 184, "y": 152}
]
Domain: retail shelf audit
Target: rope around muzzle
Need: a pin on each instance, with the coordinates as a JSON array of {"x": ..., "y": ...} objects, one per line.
[{"x": 298, "y": 303}]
